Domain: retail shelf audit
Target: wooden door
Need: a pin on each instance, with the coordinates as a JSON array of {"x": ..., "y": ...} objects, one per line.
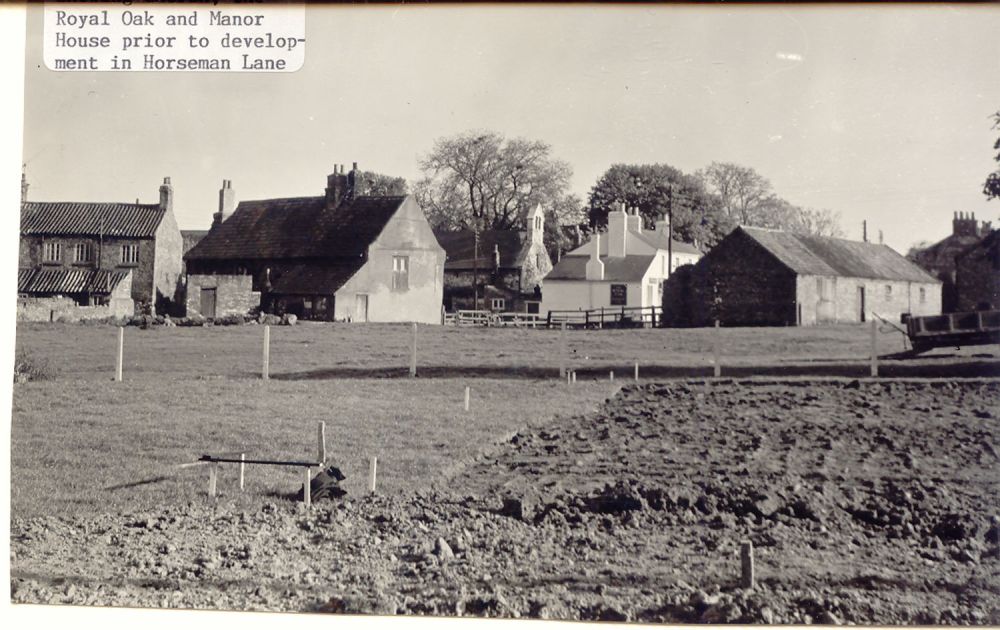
[{"x": 208, "y": 303}]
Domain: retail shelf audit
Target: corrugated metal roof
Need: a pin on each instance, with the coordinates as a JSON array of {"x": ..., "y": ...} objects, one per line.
[
  {"x": 313, "y": 279},
  {"x": 68, "y": 281},
  {"x": 629, "y": 268},
  {"x": 824, "y": 256},
  {"x": 298, "y": 227},
  {"x": 125, "y": 220}
]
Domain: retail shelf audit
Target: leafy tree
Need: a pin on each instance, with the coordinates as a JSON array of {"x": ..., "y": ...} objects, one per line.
[
  {"x": 992, "y": 186},
  {"x": 377, "y": 184},
  {"x": 659, "y": 189},
  {"x": 479, "y": 179}
]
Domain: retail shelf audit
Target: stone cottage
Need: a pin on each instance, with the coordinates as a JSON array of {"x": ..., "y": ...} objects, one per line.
[
  {"x": 939, "y": 258},
  {"x": 503, "y": 268},
  {"x": 123, "y": 255},
  {"x": 977, "y": 275},
  {"x": 761, "y": 277},
  {"x": 334, "y": 257},
  {"x": 624, "y": 266}
]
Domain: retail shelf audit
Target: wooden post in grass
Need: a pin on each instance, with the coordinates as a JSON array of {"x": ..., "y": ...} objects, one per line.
[
  {"x": 121, "y": 354},
  {"x": 562, "y": 349},
  {"x": 213, "y": 477},
  {"x": 874, "y": 365},
  {"x": 716, "y": 351},
  {"x": 307, "y": 487},
  {"x": 574, "y": 376},
  {"x": 321, "y": 439},
  {"x": 466, "y": 397},
  {"x": 265, "y": 370},
  {"x": 243, "y": 467},
  {"x": 413, "y": 352},
  {"x": 611, "y": 376},
  {"x": 746, "y": 560},
  {"x": 372, "y": 470},
  {"x": 637, "y": 371}
]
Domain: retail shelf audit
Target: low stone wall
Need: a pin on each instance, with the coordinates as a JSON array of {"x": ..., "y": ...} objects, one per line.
[
  {"x": 64, "y": 309},
  {"x": 234, "y": 294}
]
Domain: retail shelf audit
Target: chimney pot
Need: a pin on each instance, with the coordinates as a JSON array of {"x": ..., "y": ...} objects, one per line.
[{"x": 354, "y": 167}]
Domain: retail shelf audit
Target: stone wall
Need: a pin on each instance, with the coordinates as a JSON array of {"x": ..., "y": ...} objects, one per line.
[{"x": 234, "y": 294}]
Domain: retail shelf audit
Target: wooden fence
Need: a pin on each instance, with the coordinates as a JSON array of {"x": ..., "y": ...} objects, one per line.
[{"x": 607, "y": 317}]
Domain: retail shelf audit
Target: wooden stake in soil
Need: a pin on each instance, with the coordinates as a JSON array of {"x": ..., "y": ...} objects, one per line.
[
  {"x": 213, "y": 477},
  {"x": 466, "y": 397},
  {"x": 637, "y": 370},
  {"x": 611, "y": 376},
  {"x": 243, "y": 466},
  {"x": 121, "y": 354},
  {"x": 321, "y": 439},
  {"x": 716, "y": 351},
  {"x": 265, "y": 370},
  {"x": 307, "y": 487},
  {"x": 874, "y": 366},
  {"x": 372, "y": 470},
  {"x": 746, "y": 559},
  {"x": 413, "y": 353},
  {"x": 562, "y": 350}
]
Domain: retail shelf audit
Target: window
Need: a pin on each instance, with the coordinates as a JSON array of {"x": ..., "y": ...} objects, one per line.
[
  {"x": 130, "y": 254},
  {"x": 52, "y": 252},
  {"x": 497, "y": 304},
  {"x": 83, "y": 253},
  {"x": 923, "y": 295},
  {"x": 888, "y": 291},
  {"x": 400, "y": 273}
]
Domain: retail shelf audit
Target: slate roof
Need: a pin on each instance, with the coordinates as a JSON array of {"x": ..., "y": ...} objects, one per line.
[
  {"x": 824, "y": 256},
  {"x": 68, "y": 281},
  {"x": 660, "y": 240},
  {"x": 459, "y": 247},
  {"x": 125, "y": 220},
  {"x": 314, "y": 280},
  {"x": 297, "y": 227},
  {"x": 630, "y": 268}
]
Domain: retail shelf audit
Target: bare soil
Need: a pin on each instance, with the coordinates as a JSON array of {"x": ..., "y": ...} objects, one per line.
[{"x": 866, "y": 501}]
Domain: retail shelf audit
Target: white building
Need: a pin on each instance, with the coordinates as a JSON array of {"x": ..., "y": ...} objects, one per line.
[{"x": 624, "y": 266}]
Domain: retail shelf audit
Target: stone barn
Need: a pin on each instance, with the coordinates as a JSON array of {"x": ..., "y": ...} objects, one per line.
[
  {"x": 85, "y": 251},
  {"x": 334, "y": 257},
  {"x": 761, "y": 277},
  {"x": 506, "y": 267},
  {"x": 977, "y": 275}
]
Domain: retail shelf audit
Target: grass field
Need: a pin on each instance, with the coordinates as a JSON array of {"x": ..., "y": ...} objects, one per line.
[{"x": 83, "y": 442}]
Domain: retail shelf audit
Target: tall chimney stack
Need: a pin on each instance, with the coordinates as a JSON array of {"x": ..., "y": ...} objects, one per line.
[
  {"x": 167, "y": 195},
  {"x": 864, "y": 231},
  {"x": 227, "y": 203},
  {"x": 24, "y": 184}
]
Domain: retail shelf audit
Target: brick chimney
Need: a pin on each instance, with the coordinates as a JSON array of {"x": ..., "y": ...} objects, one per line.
[
  {"x": 24, "y": 185},
  {"x": 617, "y": 232},
  {"x": 352, "y": 182},
  {"x": 663, "y": 225},
  {"x": 167, "y": 195},
  {"x": 336, "y": 186},
  {"x": 635, "y": 221},
  {"x": 965, "y": 224},
  {"x": 227, "y": 203}
]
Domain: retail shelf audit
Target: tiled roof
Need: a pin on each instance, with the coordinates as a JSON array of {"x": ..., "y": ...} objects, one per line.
[
  {"x": 824, "y": 256},
  {"x": 298, "y": 227},
  {"x": 660, "y": 240},
  {"x": 314, "y": 279},
  {"x": 68, "y": 281},
  {"x": 459, "y": 247},
  {"x": 125, "y": 220},
  {"x": 630, "y": 268}
]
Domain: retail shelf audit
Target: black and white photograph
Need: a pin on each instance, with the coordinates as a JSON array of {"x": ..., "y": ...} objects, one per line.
[{"x": 621, "y": 313}]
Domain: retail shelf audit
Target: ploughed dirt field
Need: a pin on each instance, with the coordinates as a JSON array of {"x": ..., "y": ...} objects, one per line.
[{"x": 866, "y": 501}]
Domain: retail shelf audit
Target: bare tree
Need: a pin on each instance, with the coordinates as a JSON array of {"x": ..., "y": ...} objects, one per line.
[{"x": 482, "y": 180}]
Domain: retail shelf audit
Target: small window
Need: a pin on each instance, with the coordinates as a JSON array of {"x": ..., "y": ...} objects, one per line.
[
  {"x": 400, "y": 273},
  {"x": 923, "y": 295},
  {"x": 83, "y": 253},
  {"x": 130, "y": 254},
  {"x": 497, "y": 304},
  {"x": 52, "y": 252}
]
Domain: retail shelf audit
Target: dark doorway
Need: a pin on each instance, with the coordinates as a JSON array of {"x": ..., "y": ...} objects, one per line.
[{"x": 208, "y": 303}]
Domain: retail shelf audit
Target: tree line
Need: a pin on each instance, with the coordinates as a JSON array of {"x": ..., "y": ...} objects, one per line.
[{"x": 485, "y": 181}]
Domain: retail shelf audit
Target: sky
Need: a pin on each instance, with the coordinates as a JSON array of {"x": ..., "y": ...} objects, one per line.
[{"x": 878, "y": 113}]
